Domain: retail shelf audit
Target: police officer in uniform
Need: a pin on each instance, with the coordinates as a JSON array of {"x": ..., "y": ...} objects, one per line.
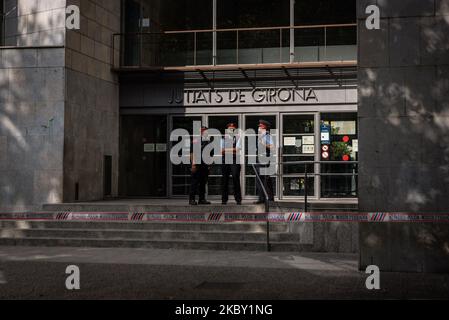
[
  {"x": 199, "y": 173},
  {"x": 267, "y": 146},
  {"x": 231, "y": 146}
]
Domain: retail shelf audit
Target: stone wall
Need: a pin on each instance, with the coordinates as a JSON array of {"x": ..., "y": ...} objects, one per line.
[
  {"x": 404, "y": 131},
  {"x": 34, "y": 22},
  {"x": 31, "y": 127},
  {"x": 92, "y": 100},
  {"x": 32, "y": 105}
]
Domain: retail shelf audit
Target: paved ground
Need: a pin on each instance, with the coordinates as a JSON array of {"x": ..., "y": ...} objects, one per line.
[{"x": 39, "y": 273}]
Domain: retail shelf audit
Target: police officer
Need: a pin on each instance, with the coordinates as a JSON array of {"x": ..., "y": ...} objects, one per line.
[
  {"x": 200, "y": 172},
  {"x": 230, "y": 149},
  {"x": 267, "y": 146}
]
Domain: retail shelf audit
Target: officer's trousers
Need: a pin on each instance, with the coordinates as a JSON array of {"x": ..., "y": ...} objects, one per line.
[
  {"x": 234, "y": 170},
  {"x": 198, "y": 182}
]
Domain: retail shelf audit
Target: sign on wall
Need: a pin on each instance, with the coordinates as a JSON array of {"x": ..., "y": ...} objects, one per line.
[{"x": 243, "y": 96}]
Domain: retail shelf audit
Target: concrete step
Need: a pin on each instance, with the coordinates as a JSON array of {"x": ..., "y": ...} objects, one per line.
[
  {"x": 156, "y": 226},
  {"x": 177, "y": 206},
  {"x": 156, "y": 244},
  {"x": 173, "y": 208},
  {"x": 165, "y": 235}
]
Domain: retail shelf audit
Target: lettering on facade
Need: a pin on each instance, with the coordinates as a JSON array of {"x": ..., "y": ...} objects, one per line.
[{"x": 241, "y": 96}]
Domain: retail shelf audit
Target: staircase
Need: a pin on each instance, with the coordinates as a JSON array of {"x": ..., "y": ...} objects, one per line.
[
  {"x": 160, "y": 235},
  {"x": 200, "y": 235}
]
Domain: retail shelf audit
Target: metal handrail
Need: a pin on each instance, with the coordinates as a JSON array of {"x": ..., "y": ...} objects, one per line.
[
  {"x": 312, "y": 26},
  {"x": 267, "y": 204},
  {"x": 306, "y": 174}
]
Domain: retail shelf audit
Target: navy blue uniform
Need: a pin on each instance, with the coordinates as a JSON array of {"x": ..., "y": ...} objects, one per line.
[
  {"x": 233, "y": 169},
  {"x": 199, "y": 178}
]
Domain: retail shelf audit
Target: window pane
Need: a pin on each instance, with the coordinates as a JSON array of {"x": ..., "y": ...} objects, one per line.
[
  {"x": 296, "y": 124},
  {"x": 165, "y": 15},
  {"x": 252, "y": 13},
  {"x": 341, "y": 180},
  {"x": 296, "y": 186},
  {"x": 325, "y": 11}
]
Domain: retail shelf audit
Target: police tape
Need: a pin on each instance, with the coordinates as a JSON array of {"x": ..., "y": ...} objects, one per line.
[{"x": 217, "y": 217}]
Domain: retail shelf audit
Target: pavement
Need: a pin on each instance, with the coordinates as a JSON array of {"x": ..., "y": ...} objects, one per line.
[{"x": 119, "y": 273}]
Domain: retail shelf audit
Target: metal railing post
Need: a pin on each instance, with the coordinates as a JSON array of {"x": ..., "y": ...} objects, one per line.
[
  {"x": 306, "y": 191},
  {"x": 194, "y": 49},
  {"x": 237, "y": 48},
  {"x": 267, "y": 210},
  {"x": 267, "y": 204},
  {"x": 325, "y": 43},
  {"x": 280, "y": 45}
]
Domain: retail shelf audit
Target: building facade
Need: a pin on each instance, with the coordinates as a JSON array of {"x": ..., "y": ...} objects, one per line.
[
  {"x": 403, "y": 114},
  {"x": 293, "y": 64},
  {"x": 59, "y": 103},
  {"x": 87, "y": 114},
  {"x": 222, "y": 61}
]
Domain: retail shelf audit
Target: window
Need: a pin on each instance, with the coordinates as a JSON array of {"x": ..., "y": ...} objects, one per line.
[
  {"x": 167, "y": 15},
  {"x": 252, "y": 13},
  {"x": 228, "y": 46},
  {"x": 340, "y": 179},
  {"x": 325, "y": 12}
]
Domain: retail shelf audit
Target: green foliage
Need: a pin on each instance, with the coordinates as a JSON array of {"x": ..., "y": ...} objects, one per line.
[{"x": 339, "y": 149}]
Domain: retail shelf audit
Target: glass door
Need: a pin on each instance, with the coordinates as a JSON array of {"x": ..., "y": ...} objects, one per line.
[
  {"x": 180, "y": 174},
  {"x": 219, "y": 123},
  {"x": 252, "y": 122},
  {"x": 340, "y": 177},
  {"x": 298, "y": 145}
]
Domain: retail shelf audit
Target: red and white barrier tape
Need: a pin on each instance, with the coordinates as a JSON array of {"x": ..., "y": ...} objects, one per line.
[{"x": 216, "y": 217}]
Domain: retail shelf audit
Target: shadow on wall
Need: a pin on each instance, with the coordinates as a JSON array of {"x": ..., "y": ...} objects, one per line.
[
  {"x": 31, "y": 108},
  {"x": 404, "y": 113},
  {"x": 404, "y": 137}
]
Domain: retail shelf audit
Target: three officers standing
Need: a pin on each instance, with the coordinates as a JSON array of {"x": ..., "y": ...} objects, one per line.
[{"x": 231, "y": 147}]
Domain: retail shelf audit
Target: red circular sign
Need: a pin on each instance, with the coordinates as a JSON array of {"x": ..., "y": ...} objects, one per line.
[
  {"x": 325, "y": 148},
  {"x": 346, "y": 157},
  {"x": 346, "y": 139},
  {"x": 325, "y": 155}
]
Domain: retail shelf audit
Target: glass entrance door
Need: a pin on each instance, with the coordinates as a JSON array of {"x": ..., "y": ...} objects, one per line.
[
  {"x": 298, "y": 145},
  {"x": 219, "y": 122},
  {"x": 252, "y": 122},
  {"x": 180, "y": 174}
]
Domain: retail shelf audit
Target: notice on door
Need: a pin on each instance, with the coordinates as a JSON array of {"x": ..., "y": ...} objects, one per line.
[
  {"x": 290, "y": 141},
  {"x": 308, "y": 149},
  {"x": 149, "y": 147},
  {"x": 161, "y": 147},
  {"x": 309, "y": 140}
]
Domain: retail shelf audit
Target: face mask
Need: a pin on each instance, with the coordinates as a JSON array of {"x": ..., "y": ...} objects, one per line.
[{"x": 231, "y": 132}]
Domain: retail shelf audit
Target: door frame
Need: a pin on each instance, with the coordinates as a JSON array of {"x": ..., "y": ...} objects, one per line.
[
  {"x": 277, "y": 186},
  {"x": 170, "y": 165},
  {"x": 240, "y": 119},
  {"x": 317, "y": 180}
]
